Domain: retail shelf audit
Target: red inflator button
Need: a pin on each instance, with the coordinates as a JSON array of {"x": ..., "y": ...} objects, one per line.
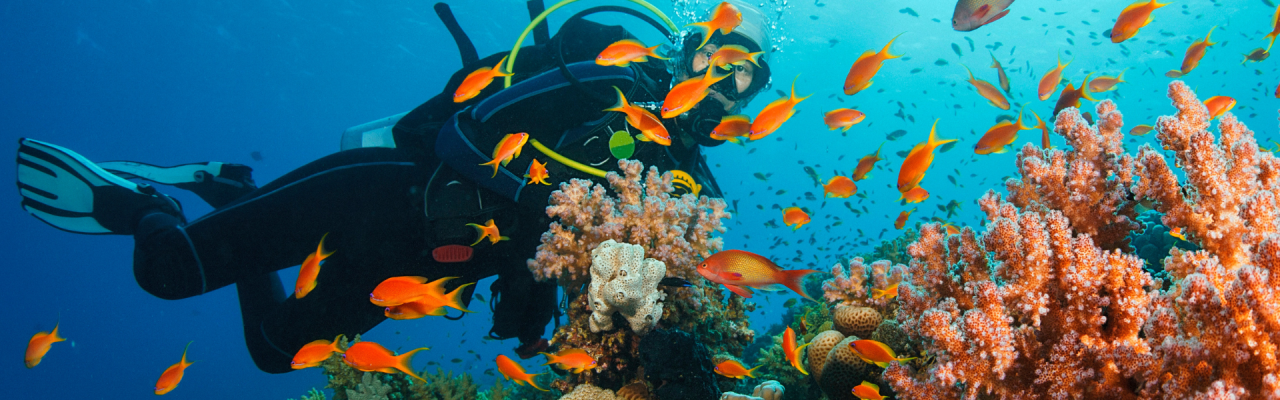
[{"x": 453, "y": 253}]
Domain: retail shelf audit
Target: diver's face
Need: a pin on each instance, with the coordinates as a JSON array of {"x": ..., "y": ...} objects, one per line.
[{"x": 742, "y": 74}]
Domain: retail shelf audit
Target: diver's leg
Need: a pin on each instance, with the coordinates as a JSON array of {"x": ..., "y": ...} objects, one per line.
[
  {"x": 276, "y": 226},
  {"x": 259, "y": 297},
  {"x": 217, "y": 183}
]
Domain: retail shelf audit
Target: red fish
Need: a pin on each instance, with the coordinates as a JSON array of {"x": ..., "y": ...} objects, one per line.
[
  {"x": 477, "y": 80},
  {"x": 1049, "y": 83},
  {"x": 310, "y": 270},
  {"x": 1044, "y": 131},
  {"x": 687, "y": 94},
  {"x": 725, "y": 18},
  {"x": 1071, "y": 96},
  {"x": 1106, "y": 83},
  {"x": 40, "y": 344},
  {"x": 865, "y": 68},
  {"x": 643, "y": 120},
  {"x": 732, "y": 126},
  {"x": 507, "y": 149},
  {"x": 173, "y": 375},
  {"x": 314, "y": 353},
  {"x": 372, "y": 357},
  {"x": 792, "y": 352},
  {"x": 918, "y": 160},
  {"x": 1275, "y": 29},
  {"x": 734, "y": 369},
  {"x": 732, "y": 54},
  {"x": 514, "y": 372},
  {"x": 988, "y": 91},
  {"x": 902, "y": 219},
  {"x": 839, "y": 187},
  {"x": 774, "y": 114},
  {"x": 973, "y": 14},
  {"x": 432, "y": 304},
  {"x": 1141, "y": 130},
  {"x": 842, "y": 118},
  {"x": 1004, "y": 79},
  {"x": 1219, "y": 105},
  {"x": 1134, "y": 17},
  {"x": 576, "y": 360},
  {"x": 398, "y": 290},
  {"x": 865, "y": 164},
  {"x": 1194, "y": 53},
  {"x": 915, "y": 195},
  {"x": 999, "y": 137},
  {"x": 876, "y": 353},
  {"x": 1177, "y": 232},
  {"x": 488, "y": 230},
  {"x": 740, "y": 271},
  {"x": 892, "y": 291},
  {"x": 626, "y": 51},
  {"x": 868, "y": 391},
  {"x": 537, "y": 173},
  {"x": 794, "y": 216}
]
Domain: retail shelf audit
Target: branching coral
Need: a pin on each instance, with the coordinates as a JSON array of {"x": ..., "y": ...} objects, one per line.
[{"x": 854, "y": 288}]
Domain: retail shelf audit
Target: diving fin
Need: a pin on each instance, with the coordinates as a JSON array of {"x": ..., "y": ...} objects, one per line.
[
  {"x": 216, "y": 183},
  {"x": 69, "y": 192}
]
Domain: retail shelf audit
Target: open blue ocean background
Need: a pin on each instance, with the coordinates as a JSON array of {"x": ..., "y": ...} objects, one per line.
[{"x": 169, "y": 82}]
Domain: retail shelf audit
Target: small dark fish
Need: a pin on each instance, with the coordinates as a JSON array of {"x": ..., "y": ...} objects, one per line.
[
  {"x": 489, "y": 372},
  {"x": 789, "y": 303},
  {"x": 256, "y": 155},
  {"x": 674, "y": 282},
  {"x": 940, "y": 62},
  {"x": 895, "y": 135},
  {"x": 946, "y": 147},
  {"x": 813, "y": 17},
  {"x": 780, "y": 93},
  {"x": 956, "y": 48},
  {"x": 479, "y": 297},
  {"x": 763, "y": 177},
  {"x": 833, "y": 42},
  {"x": 917, "y": 70},
  {"x": 902, "y": 154},
  {"x": 780, "y": 192},
  {"x": 971, "y": 49},
  {"x": 1268, "y": 3},
  {"x": 456, "y": 360},
  {"x": 909, "y": 11}
]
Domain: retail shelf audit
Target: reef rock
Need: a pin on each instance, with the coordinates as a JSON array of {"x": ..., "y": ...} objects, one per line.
[
  {"x": 819, "y": 347},
  {"x": 623, "y": 281},
  {"x": 678, "y": 366}
]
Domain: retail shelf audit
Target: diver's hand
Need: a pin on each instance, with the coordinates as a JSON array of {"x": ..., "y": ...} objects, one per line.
[{"x": 528, "y": 350}]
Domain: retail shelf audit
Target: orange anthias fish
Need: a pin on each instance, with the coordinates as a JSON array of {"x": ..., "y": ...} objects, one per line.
[
  {"x": 372, "y": 357},
  {"x": 314, "y": 353},
  {"x": 1134, "y": 17},
  {"x": 514, "y": 372},
  {"x": 1044, "y": 131},
  {"x": 626, "y": 51},
  {"x": 902, "y": 219},
  {"x": 399, "y": 290},
  {"x": 173, "y": 375},
  {"x": 840, "y": 187},
  {"x": 739, "y": 271},
  {"x": 842, "y": 118},
  {"x": 865, "y": 68},
  {"x": 1275, "y": 29},
  {"x": 999, "y": 137},
  {"x": 794, "y": 216},
  {"x": 477, "y": 80},
  {"x": 1071, "y": 96},
  {"x": 876, "y": 353},
  {"x": 1141, "y": 130},
  {"x": 774, "y": 114},
  {"x": 1004, "y": 79},
  {"x": 40, "y": 344},
  {"x": 734, "y": 369},
  {"x": 988, "y": 91},
  {"x": 1258, "y": 54},
  {"x": 1278, "y": 91},
  {"x": 892, "y": 291},
  {"x": 1049, "y": 83},
  {"x": 732, "y": 126},
  {"x": 732, "y": 54},
  {"x": 1106, "y": 83},
  {"x": 973, "y": 14},
  {"x": 792, "y": 352},
  {"x": 507, "y": 149},
  {"x": 432, "y": 304},
  {"x": 1177, "y": 232},
  {"x": 576, "y": 360},
  {"x": 725, "y": 18},
  {"x": 643, "y": 120},
  {"x": 1194, "y": 53},
  {"x": 488, "y": 230},
  {"x": 918, "y": 160},
  {"x": 951, "y": 230},
  {"x": 687, "y": 94},
  {"x": 865, "y": 164},
  {"x": 915, "y": 195},
  {"x": 310, "y": 270},
  {"x": 537, "y": 173},
  {"x": 868, "y": 391},
  {"x": 1219, "y": 105}
]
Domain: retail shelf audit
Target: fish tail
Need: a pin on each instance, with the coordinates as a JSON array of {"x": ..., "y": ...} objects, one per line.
[
  {"x": 56, "y": 338},
  {"x": 793, "y": 90},
  {"x": 622, "y": 101},
  {"x": 751, "y": 373},
  {"x": 799, "y": 365},
  {"x": 320, "y": 249},
  {"x": 480, "y": 229},
  {"x": 706, "y": 32},
  {"x": 653, "y": 52},
  {"x": 1207, "y": 43},
  {"x": 497, "y": 69},
  {"x": 184, "y": 361},
  {"x": 792, "y": 280},
  {"x": 933, "y": 136},
  {"x": 885, "y": 50},
  {"x": 551, "y": 358},
  {"x": 494, "y": 163},
  {"x": 877, "y": 293},
  {"x": 454, "y": 299},
  {"x": 755, "y": 57},
  {"x": 994, "y": 63},
  {"x": 1271, "y": 36},
  {"x": 402, "y": 362},
  {"x": 1084, "y": 88},
  {"x": 966, "y": 68},
  {"x": 1120, "y": 78},
  {"x": 529, "y": 379}
]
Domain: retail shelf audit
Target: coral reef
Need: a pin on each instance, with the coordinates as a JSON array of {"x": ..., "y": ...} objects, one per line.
[
  {"x": 1045, "y": 303},
  {"x": 1152, "y": 244},
  {"x": 625, "y": 282},
  {"x": 853, "y": 286},
  {"x": 678, "y": 366},
  {"x": 351, "y": 384},
  {"x": 370, "y": 388},
  {"x": 767, "y": 390},
  {"x": 856, "y": 321},
  {"x": 589, "y": 392},
  {"x": 674, "y": 230},
  {"x": 776, "y": 368}
]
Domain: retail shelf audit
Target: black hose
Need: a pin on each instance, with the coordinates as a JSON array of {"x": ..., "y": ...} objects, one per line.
[
  {"x": 466, "y": 50},
  {"x": 540, "y": 33},
  {"x": 564, "y": 69}
]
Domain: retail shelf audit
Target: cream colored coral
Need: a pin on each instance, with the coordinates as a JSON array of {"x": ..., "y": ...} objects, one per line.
[
  {"x": 856, "y": 321},
  {"x": 370, "y": 388},
  {"x": 623, "y": 281},
  {"x": 588, "y": 391}
]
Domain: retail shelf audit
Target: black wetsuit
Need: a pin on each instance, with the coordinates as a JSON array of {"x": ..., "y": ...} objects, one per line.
[{"x": 385, "y": 209}]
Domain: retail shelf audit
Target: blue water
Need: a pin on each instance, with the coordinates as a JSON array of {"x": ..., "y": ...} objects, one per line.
[{"x": 176, "y": 82}]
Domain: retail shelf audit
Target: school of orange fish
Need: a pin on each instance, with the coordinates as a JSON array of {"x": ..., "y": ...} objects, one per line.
[{"x": 410, "y": 297}]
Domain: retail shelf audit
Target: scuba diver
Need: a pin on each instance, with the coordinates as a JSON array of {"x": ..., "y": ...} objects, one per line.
[{"x": 397, "y": 199}]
